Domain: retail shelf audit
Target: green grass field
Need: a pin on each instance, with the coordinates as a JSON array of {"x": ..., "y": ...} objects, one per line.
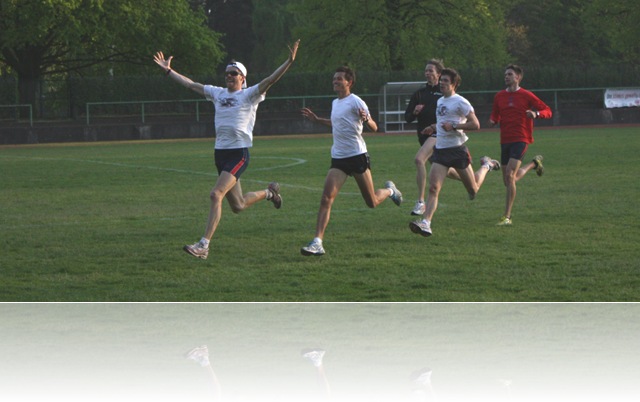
[{"x": 107, "y": 222}]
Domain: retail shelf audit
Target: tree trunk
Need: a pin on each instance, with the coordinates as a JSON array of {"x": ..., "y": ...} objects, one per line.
[{"x": 29, "y": 94}]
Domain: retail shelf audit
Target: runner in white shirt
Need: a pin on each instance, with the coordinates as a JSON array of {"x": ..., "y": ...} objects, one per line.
[
  {"x": 454, "y": 114},
  {"x": 235, "y": 116},
  {"x": 349, "y": 157}
]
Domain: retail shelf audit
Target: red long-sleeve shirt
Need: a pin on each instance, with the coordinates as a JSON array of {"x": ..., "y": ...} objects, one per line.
[{"x": 510, "y": 110}]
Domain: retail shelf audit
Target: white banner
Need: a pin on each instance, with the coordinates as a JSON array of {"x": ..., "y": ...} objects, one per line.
[{"x": 622, "y": 98}]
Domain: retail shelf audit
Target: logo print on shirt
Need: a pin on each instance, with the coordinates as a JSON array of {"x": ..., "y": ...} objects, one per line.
[
  {"x": 511, "y": 103},
  {"x": 228, "y": 102},
  {"x": 441, "y": 110}
]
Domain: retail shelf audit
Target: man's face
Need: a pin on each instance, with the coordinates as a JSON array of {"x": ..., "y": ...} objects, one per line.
[
  {"x": 431, "y": 74},
  {"x": 234, "y": 78},
  {"x": 511, "y": 78},
  {"x": 340, "y": 83},
  {"x": 446, "y": 87}
]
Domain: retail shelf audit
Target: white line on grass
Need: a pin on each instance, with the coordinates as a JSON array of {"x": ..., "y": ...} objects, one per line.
[{"x": 296, "y": 162}]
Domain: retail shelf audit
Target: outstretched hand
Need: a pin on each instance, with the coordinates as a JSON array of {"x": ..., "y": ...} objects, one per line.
[
  {"x": 308, "y": 114},
  {"x": 293, "y": 50},
  {"x": 162, "y": 62}
]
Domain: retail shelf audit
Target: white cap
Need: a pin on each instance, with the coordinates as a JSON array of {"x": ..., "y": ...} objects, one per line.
[{"x": 242, "y": 69}]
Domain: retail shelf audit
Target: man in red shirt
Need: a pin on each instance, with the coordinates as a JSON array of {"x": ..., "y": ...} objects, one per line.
[{"x": 515, "y": 108}]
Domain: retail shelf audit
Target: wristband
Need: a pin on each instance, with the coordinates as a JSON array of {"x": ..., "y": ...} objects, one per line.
[{"x": 168, "y": 72}]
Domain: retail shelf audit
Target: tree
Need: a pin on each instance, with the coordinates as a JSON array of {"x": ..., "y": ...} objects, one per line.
[
  {"x": 271, "y": 27},
  {"x": 613, "y": 26},
  {"x": 234, "y": 19},
  {"x": 549, "y": 31},
  {"x": 400, "y": 34},
  {"x": 59, "y": 37}
]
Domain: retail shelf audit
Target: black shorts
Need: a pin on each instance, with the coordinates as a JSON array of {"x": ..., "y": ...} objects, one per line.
[
  {"x": 513, "y": 150},
  {"x": 354, "y": 164},
  {"x": 234, "y": 161},
  {"x": 456, "y": 157}
]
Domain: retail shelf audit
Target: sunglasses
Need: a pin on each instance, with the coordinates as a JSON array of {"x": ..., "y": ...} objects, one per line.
[{"x": 232, "y": 73}]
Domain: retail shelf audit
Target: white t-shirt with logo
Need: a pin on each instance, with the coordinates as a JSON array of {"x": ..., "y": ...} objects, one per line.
[
  {"x": 235, "y": 115},
  {"x": 347, "y": 127},
  {"x": 453, "y": 109}
]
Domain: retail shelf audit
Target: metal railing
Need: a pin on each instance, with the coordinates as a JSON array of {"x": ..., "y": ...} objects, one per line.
[
  {"x": 143, "y": 106},
  {"x": 143, "y": 110},
  {"x": 393, "y": 104},
  {"x": 392, "y": 107},
  {"x": 17, "y": 107}
]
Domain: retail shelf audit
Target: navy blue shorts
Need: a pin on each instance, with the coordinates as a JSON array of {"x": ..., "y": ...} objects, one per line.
[
  {"x": 513, "y": 150},
  {"x": 456, "y": 157},
  {"x": 234, "y": 161},
  {"x": 354, "y": 164}
]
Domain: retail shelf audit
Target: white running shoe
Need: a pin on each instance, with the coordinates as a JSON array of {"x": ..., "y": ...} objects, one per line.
[
  {"x": 418, "y": 210},
  {"x": 314, "y": 355},
  {"x": 197, "y": 250},
  {"x": 199, "y": 355},
  {"x": 492, "y": 163},
  {"x": 313, "y": 248},
  {"x": 396, "y": 197},
  {"x": 421, "y": 227}
]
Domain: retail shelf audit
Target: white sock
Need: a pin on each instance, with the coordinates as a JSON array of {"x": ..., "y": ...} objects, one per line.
[
  {"x": 269, "y": 194},
  {"x": 317, "y": 240},
  {"x": 204, "y": 242}
]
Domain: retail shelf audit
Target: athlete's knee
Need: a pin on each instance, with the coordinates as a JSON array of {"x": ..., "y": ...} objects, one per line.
[
  {"x": 370, "y": 202},
  {"x": 434, "y": 188},
  {"x": 326, "y": 200},
  {"x": 216, "y": 195}
]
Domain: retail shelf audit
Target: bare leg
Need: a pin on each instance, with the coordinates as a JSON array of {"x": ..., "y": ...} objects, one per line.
[
  {"x": 333, "y": 183},
  {"x": 217, "y": 389},
  {"x": 473, "y": 181},
  {"x": 315, "y": 356},
  {"x": 229, "y": 187},
  {"x": 509, "y": 177},
  {"x": 224, "y": 184},
  {"x": 239, "y": 202},
  {"x": 201, "y": 356},
  {"x": 423, "y": 155},
  {"x": 425, "y": 151},
  {"x": 372, "y": 197},
  {"x": 436, "y": 177},
  {"x": 523, "y": 170}
]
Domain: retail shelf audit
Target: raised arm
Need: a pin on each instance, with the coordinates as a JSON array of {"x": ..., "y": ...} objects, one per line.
[
  {"x": 165, "y": 64},
  {"x": 266, "y": 83}
]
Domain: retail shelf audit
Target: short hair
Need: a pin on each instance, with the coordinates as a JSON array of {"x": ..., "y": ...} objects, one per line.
[
  {"x": 516, "y": 68},
  {"x": 349, "y": 74},
  {"x": 437, "y": 63},
  {"x": 456, "y": 79}
]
